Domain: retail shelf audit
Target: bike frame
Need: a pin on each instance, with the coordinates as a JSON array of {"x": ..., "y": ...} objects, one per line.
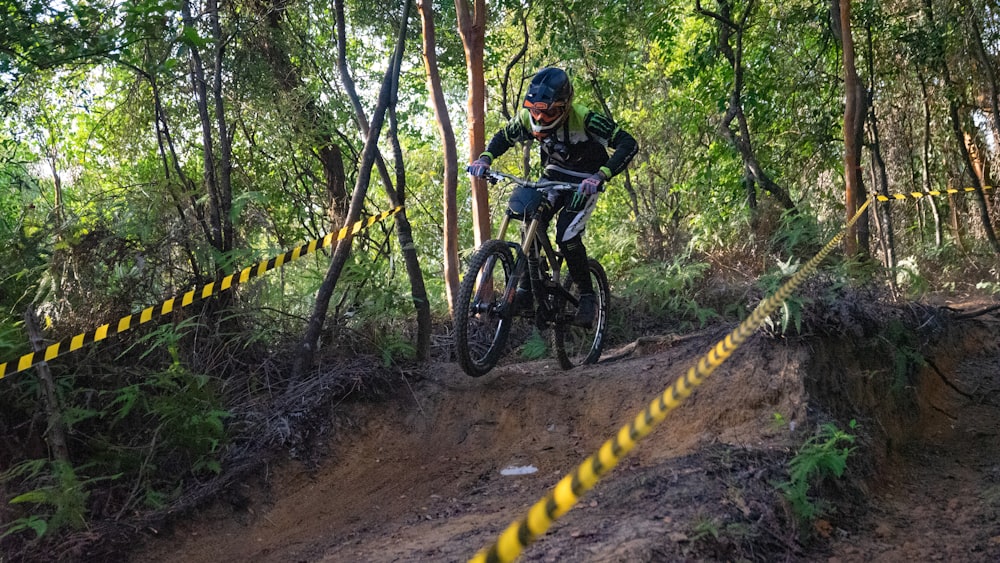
[{"x": 535, "y": 240}]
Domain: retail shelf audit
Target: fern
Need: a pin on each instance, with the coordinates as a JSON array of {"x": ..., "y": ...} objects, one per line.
[
  {"x": 821, "y": 456},
  {"x": 535, "y": 347}
]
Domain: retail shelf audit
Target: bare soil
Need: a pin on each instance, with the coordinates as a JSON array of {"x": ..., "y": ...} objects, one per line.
[{"x": 417, "y": 477}]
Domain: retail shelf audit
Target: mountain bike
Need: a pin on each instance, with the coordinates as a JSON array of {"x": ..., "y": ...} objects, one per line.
[{"x": 485, "y": 307}]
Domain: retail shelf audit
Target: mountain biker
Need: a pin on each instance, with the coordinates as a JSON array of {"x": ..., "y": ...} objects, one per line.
[{"x": 574, "y": 148}]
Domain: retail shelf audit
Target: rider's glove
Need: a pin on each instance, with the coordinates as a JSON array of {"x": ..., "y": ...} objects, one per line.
[
  {"x": 592, "y": 185},
  {"x": 479, "y": 166}
]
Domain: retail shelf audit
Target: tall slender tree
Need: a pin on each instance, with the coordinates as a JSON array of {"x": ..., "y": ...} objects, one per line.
[
  {"x": 857, "y": 238},
  {"x": 447, "y": 133},
  {"x": 472, "y": 27},
  {"x": 390, "y": 80}
]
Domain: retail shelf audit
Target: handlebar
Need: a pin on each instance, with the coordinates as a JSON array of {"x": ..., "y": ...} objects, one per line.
[{"x": 494, "y": 176}]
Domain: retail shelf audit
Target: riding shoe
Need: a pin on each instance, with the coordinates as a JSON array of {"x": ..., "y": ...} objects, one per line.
[{"x": 585, "y": 310}]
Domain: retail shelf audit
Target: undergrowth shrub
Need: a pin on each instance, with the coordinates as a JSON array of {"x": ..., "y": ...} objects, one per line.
[
  {"x": 57, "y": 497},
  {"x": 824, "y": 455},
  {"x": 666, "y": 291}
]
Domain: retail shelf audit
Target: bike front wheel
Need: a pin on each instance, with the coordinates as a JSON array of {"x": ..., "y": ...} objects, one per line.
[
  {"x": 482, "y": 318},
  {"x": 575, "y": 345}
]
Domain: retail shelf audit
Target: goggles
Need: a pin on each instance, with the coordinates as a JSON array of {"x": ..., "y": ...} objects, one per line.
[{"x": 545, "y": 113}]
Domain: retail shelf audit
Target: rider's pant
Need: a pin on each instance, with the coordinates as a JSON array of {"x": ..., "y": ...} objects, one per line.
[{"x": 569, "y": 236}]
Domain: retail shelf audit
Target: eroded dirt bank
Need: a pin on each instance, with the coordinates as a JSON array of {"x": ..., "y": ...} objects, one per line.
[{"x": 418, "y": 477}]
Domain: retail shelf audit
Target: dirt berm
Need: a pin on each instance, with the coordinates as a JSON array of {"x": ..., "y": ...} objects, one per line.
[{"x": 418, "y": 477}]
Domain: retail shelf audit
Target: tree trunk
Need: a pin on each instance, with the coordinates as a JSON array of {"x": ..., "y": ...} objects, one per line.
[
  {"x": 55, "y": 433},
  {"x": 404, "y": 232},
  {"x": 880, "y": 178},
  {"x": 164, "y": 142},
  {"x": 397, "y": 194},
  {"x": 472, "y": 28},
  {"x": 216, "y": 179},
  {"x": 352, "y": 94},
  {"x": 450, "y": 204},
  {"x": 956, "y": 227},
  {"x": 856, "y": 239},
  {"x": 225, "y": 172},
  {"x": 959, "y": 135},
  {"x": 926, "y": 167},
  {"x": 518, "y": 57},
  {"x": 987, "y": 66},
  {"x": 310, "y": 340}
]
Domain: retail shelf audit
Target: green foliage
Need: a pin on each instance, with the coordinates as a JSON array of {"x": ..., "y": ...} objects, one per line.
[
  {"x": 58, "y": 500},
  {"x": 903, "y": 346},
  {"x": 823, "y": 455},
  {"x": 181, "y": 409},
  {"x": 909, "y": 279},
  {"x": 705, "y": 528},
  {"x": 535, "y": 347},
  {"x": 664, "y": 289},
  {"x": 394, "y": 347},
  {"x": 791, "y": 309}
]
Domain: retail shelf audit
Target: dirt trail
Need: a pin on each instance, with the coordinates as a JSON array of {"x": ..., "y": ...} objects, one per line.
[{"x": 418, "y": 478}]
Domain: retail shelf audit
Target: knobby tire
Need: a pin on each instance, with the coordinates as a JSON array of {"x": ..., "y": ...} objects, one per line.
[
  {"x": 481, "y": 330},
  {"x": 576, "y": 345}
]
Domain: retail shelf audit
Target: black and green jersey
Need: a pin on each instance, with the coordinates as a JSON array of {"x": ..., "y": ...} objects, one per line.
[{"x": 575, "y": 149}]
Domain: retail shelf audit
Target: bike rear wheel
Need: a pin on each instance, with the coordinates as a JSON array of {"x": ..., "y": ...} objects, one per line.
[
  {"x": 482, "y": 319},
  {"x": 575, "y": 345}
]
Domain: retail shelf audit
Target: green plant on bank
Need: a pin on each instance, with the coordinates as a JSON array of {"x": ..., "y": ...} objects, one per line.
[
  {"x": 909, "y": 279},
  {"x": 667, "y": 289},
  {"x": 395, "y": 347},
  {"x": 904, "y": 349},
  {"x": 791, "y": 309},
  {"x": 822, "y": 456},
  {"x": 58, "y": 501},
  {"x": 535, "y": 347},
  {"x": 798, "y": 234},
  {"x": 704, "y": 527},
  {"x": 186, "y": 409}
]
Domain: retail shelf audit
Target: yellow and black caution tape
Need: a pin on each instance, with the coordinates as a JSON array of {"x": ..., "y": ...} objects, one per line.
[
  {"x": 931, "y": 193},
  {"x": 570, "y": 488},
  {"x": 125, "y": 323}
]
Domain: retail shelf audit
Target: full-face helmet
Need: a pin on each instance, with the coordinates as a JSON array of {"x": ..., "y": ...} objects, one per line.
[{"x": 548, "y": 100}]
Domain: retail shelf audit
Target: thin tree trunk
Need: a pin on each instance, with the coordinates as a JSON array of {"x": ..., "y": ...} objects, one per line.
[
  {"x": 517, "y": 58},
  {"x": 55, "y": 433},
  {"x": 404, "y": 232},
  {"x": 288, "y": 77},
  {"x": 987, "y": 66},
  {"x": 352, "y": 94},
  {"x": 201, "y": 99},
  {"x": 310, "y": 340},
  {"x": 856, "y": 239},
  {"x": 926, "y": 168},
  {"x": 163, "y": 142},
  {"x": 472, "y": 28},
  {"x": 450, "y": 203},
  {"x": 225, "y": 172},
  {"x": 880, "y": 178},
  {"x": 959, "y": 133},
  {"x": 956, "y": 227}
]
